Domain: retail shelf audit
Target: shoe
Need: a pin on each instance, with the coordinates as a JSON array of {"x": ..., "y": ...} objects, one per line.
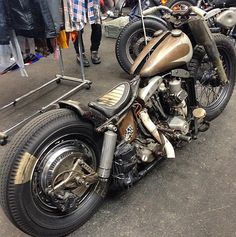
[
  {"x": 85, "y": 60},
  {"x": 95, "y": 57}
]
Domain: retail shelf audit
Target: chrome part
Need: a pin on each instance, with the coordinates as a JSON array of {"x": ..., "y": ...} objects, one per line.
[
  {"x": 108, "y": 148},
  {"x": 175, "y": 86},
  {"x": 146, "y": 92},
  {"x": 169, "y": 149},
  {"x": 182, "y": 95},
  {"x": 162, "y": 87},
  {"x": 152, "y": 10},
  {"x": 182, "y": 108},
  {"x": 198, "y": 11},
  {"x": 176, "y": 33},
  {"x": 147, "y": 153},
  {"x": 178, "y": 123},
  {"x": 212, "y": 13},
  {"x": 151, "y": 127},
  {"x": 227, "y": 19},
  {"x": 176, "y": 89}
]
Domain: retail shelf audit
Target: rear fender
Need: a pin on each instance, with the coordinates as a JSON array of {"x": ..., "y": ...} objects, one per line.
[{"x": 84, "y": 112}]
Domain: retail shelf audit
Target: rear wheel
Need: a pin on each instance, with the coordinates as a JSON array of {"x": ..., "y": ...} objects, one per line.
[
  {"x": 211, "y": 94},
  {"x": 131, "y": 40},
  {"x": 49, "y": 184}
]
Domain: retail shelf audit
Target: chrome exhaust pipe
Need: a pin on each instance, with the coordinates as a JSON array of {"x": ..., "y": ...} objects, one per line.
[{"x": 151, "y": 127}]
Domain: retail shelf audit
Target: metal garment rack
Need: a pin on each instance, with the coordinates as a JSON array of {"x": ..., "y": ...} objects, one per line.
[{"x": 82, "y": 82}]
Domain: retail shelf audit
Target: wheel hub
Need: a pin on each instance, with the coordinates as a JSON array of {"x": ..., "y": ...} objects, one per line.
[{"x": 64, "y": 176}]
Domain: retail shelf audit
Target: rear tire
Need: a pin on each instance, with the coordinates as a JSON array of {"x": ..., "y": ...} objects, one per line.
[
  {"x": 216, "y": 102},
  {"x": 54, "y": 139},
  {"x": 130, "y": 41}
]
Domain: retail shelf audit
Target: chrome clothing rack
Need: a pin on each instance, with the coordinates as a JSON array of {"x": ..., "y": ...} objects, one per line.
[{"x": 81, "y": 83}]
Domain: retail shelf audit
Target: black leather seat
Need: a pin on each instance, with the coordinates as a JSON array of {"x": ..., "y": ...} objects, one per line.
[{"x": 113, "y": 101}]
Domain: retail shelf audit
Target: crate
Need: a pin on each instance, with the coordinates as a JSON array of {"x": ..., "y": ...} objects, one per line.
[{"x": 112, "y": 28}]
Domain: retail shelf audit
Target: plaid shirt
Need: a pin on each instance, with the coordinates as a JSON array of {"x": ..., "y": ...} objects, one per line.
[
  {"x": 80, "y": 12},
  {"x": 86, "y": 9}
]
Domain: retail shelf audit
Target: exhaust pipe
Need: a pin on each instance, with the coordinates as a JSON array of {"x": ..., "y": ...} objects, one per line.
[{"x": 151, "y": 127}]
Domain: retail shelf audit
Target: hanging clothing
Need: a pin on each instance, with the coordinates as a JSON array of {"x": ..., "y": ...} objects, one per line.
[
  {"x": 32, "y": 18},
  {"x": 4, "y": 23},
  {"x": 55, "y": 7},
  {"x": 86, "y": 11},
  {"x": 79, "y": 12}
]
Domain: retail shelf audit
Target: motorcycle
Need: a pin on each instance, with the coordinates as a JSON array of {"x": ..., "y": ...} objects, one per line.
[
  {"x": 60, "y": 165},
  {"x": 132, "y": 38}
]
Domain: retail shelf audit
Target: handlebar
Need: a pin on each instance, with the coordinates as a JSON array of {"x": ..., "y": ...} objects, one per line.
[
  {"x": 198, "y": 11},
  {"x": 152, "y": 10}
]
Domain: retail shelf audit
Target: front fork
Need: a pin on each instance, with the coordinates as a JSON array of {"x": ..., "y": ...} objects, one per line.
[{"x": 203, "y": 36}]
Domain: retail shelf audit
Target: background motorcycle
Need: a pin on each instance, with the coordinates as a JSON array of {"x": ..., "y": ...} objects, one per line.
[
  {"x": 131, "y": 39},
  {"x": 58, "y": 167}
]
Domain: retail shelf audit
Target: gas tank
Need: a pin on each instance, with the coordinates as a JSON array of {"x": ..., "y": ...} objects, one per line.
[{"x": 167, "y": 51}]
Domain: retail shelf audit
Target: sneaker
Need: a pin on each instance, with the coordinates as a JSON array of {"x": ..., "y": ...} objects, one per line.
[
  {"x": 85, "y": 60},
  {"x": 95, "y": 57}
]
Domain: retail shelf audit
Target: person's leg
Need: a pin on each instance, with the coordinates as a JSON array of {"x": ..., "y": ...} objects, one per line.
[
  {"x": 76, "y": 46},
  {"x": 96, "y": 36}
]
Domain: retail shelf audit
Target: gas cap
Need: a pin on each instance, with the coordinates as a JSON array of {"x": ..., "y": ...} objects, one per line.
[{"x": 176, "y": 33}]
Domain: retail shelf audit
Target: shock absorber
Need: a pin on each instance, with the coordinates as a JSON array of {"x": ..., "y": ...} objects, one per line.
[{"x": 108, "y": 148}]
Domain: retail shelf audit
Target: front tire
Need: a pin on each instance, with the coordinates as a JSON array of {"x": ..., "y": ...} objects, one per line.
[
  {"x": 130, "y": 41},
  {"x": 40, "y": 158},
  {"x": 211, "y": 95}
]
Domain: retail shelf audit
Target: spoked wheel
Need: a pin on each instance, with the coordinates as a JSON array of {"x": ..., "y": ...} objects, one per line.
[
  {"x": 211, "y": 94},
  {"x": 131, "y": 40},
  {"x": 49, "y": 184}
]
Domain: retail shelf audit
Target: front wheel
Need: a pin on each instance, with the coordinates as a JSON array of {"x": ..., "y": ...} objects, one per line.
[
  {"x": 49, "y": 184},
  {"x": 131, "y": 40},
  {"x": 211, "y": 94}
]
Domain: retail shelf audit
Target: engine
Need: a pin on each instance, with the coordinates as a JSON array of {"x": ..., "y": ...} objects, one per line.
[{"x": 173, "y": 102}]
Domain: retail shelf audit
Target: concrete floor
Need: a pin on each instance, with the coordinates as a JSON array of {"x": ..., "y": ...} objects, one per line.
[{"x": 194, "y": 195}]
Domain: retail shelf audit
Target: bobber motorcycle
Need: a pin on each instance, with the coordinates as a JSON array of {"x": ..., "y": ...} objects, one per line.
[{"x": 59, "y": 167}]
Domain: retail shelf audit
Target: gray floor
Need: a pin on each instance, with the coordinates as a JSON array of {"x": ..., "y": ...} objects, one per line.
[{"x": 194, "y": 195}]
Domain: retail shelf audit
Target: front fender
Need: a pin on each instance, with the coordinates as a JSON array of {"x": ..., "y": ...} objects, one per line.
[
  {"x": 157, "y": 19},
  {"x": 84, "y": 112}
]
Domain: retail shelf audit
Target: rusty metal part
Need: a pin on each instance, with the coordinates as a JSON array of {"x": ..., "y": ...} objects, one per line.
[
  {"x": 128, "y": 128},
  {"x": 203, "y": 36},
  {"x": 76, "y": 174}
]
